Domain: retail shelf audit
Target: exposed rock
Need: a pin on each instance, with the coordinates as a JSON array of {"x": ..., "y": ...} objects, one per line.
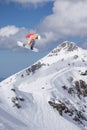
[
  {"x": 81, "y": 87},
  {"x": 84, "y": 73},
  {"x": 34, "y": 67},
  {"x": 68, "y": 108}
]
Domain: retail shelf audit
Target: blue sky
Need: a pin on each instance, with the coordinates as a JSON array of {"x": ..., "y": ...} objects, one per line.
[
  {"x": 55, "y": 20},
  {"x": 23, "y": 16}
]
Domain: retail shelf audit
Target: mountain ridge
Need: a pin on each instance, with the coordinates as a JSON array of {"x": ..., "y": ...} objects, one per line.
[{"x": 50, "y": 94}]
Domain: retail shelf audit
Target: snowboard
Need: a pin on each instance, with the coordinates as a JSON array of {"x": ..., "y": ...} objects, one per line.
[{"x": 21, "y": 44}]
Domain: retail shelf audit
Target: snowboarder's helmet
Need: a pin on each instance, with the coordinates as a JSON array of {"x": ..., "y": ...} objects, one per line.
[{"x": 37, "y": 37}]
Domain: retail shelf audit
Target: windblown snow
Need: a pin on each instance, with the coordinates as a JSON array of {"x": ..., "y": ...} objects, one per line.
[{"x": 48, "y": 95}]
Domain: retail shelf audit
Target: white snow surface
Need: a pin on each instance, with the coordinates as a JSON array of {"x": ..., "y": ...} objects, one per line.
[{"x": 36, "y": 86}]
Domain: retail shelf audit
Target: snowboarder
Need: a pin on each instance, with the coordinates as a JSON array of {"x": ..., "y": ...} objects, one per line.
[
  {"x": 31, "y": 42},
  {"x": 32, "y": 39}
]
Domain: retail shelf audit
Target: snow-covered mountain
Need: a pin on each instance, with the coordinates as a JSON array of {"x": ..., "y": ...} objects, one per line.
[{"x": 49, "y": 95}]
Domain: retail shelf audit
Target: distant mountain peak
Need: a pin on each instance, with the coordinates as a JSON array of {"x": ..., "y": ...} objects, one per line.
[
  {"x": 69, "y": 46},
  {"x": 66, "y": 46}
]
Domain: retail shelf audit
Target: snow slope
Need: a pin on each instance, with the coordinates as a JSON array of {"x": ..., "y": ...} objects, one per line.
[{"x": 49, "y": 95}]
